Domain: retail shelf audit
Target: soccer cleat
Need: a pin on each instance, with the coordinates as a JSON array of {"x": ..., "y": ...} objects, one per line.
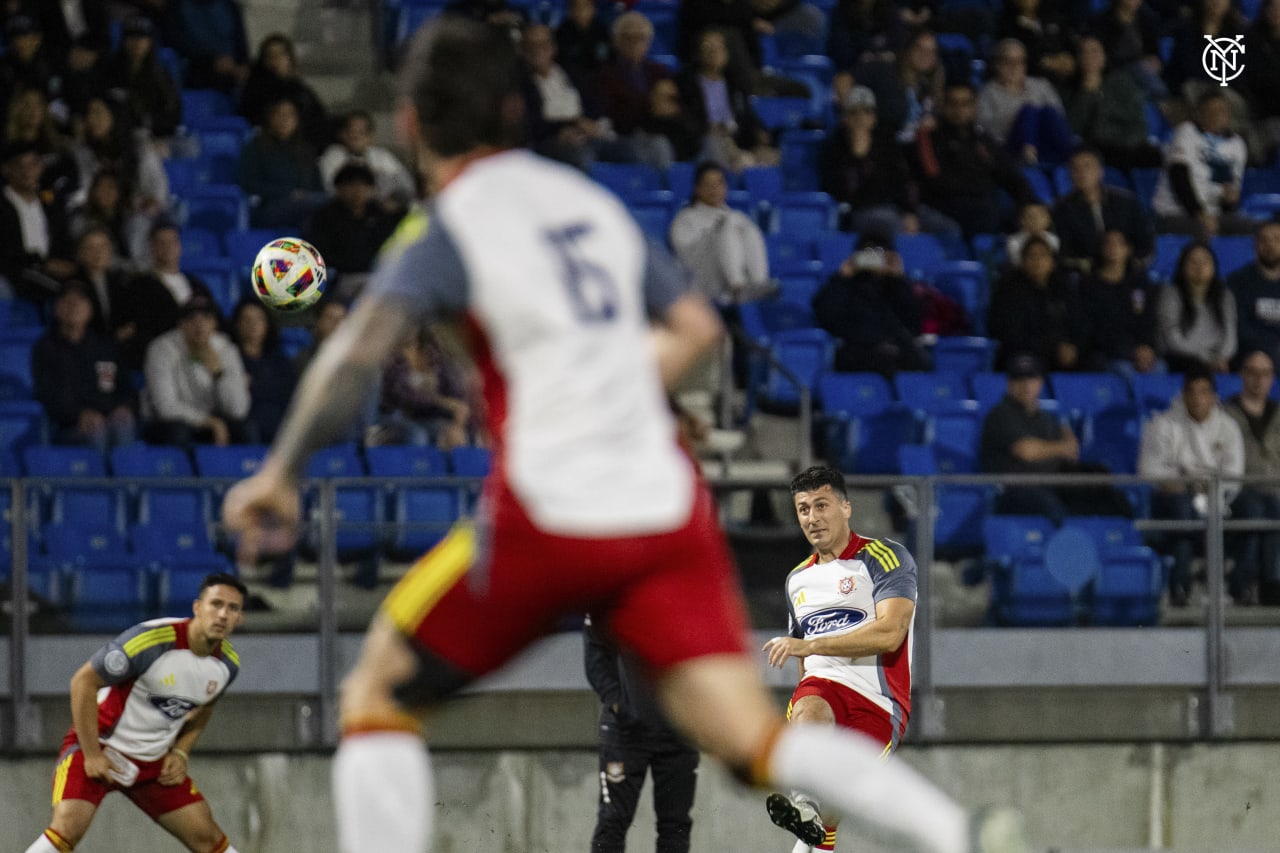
[
  {"x": 797, "y": 817},
  {"x": 997, "y": 830}
]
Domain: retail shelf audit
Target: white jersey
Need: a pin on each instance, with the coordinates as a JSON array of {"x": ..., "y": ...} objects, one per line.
[
  {"x": 834, "y": 598},
  {"x": 1212, "y": 161},
  {"x": 557, "y": 285},
  {"x": 154, "y": 681}
]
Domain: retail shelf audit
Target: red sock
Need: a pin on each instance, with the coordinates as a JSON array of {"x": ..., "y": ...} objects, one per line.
[{"x": 828, "y": 843}]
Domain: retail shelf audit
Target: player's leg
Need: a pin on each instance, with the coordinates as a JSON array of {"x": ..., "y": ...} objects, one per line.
[
  {"x": 623, "y": 765},
  {"x": 799, "y": 813},
  {"x": 675, "y": 778},
  {"x": 194, "y": 826},
  {"x": 71, "y": 819}
]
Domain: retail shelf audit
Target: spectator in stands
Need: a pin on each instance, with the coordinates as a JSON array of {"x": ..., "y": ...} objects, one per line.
[
  {"x": 864, "y": 31},
  {"x": 271, "y": 374},
  {"x": 278, "y": 167},
  {"x": 350, "y": 228},
  {"x": 721, "y": 246},
  {"x": 106, "y": 283},
  {"x": 1256, "y": 290},
  {"x": 196, "y": 388},
  {"x": 1194, "y": 438},
  {"x": 869, "y": 307},
  {"x": 564, "y": 120},
  {"x": 105, "y": 141},
  {"x": 394, "y": 186},
  {"x": 1130, "y": 34},
  {"x": 210, "y": 35},
  {"x": 1048, "y": 41},
  {"x": 740, "y": 29},
  {"x": 1120, "y": 307},
  {"x": 1262, "y": 86},
  {"x": 1256, "y": 577},
  {"x": 154, "y": 299},
  {"x": 863, "y": 167},
  {"x": 78, "y": 37},
  {"x": 1199, "y": 191},
  {"x": 1216, "y": 18},
  {"x": 962, "y": 170},
  {"x": 499, "y": 14},
  {"x": 26, "y": 64},
  {"x": 29, "y": 122},
  {"x": 104, "y": 206},
  {"x": 35, "y": 250},
  {"x": 135, "y": 75},
  {"x": 1023, "y": 112},
  {"x": 79, "y": 378},
  {"x": 274, "y": 77},
  {"x": 792, "y": 18},
  {"x": 1034, "y": 220},
  {"x": 1035, "y": 308},
  {"x": 423, "y": 398},
  {"x": 1106, "y": 110},
  {"x": 328, "y": 315},
  {"x": 582, "y": 39},
  {"x": 636, "y": 95},
  {"x": 1092, "y": 208},
  {"x": 908, "y": 88},
  {"x": 731, "y": 131},
  {"x": 1196, "y": 317}
]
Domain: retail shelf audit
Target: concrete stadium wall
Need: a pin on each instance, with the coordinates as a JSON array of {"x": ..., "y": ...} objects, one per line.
[{"x": 1110, "y": 797}]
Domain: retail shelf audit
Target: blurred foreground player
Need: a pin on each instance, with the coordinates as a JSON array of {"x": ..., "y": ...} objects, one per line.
[
  {"x": 591, "y": 505},
  {"x": 138, "y": 706}
]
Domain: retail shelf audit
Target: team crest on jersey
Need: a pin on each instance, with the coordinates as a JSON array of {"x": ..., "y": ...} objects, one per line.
[
  {"x": 614, "y": 772},
  {"x": 846, "y": 585},
  {"x": 211, "y": 688}
]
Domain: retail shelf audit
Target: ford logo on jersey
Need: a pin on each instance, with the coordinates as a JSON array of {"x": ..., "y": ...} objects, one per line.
[
  {"x": 173, "y": 707},
  {"x": 831, "y": 620}
]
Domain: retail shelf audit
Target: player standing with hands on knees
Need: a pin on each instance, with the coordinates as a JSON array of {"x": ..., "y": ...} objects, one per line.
[
  {"x": 850, "y": 608},
  {"x": 138, "y": 706},
  {"x": 577, "y": 325}
]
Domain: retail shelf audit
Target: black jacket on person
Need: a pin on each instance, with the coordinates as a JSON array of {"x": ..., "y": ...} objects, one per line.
[
  {"x": 1121, "y": 315},
  {"x": 1024, "y": 317},
  {"x": 349, "y": 242},
  {"x": 962, "y": 171},
  {"x": 21, "y": 267},
  {"x": 150, "y": 306},
  {"x": 618, "y": 683},
  {"x": 875, "y": 317},
  {"x": 1078, "y": 231},
  {"x": 694, "y": 104},
  {"x": 72, "y": 377},
  {"x": 881, "y": 177}
]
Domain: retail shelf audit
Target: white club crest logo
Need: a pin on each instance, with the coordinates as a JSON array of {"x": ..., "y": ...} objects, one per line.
[
  {"x": 1222, "y": 58},
  {"x": 846, "y": 586}
]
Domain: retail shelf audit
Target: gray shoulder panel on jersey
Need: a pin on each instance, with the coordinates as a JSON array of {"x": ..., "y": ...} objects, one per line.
[
  {"x": 665, "y": 279},
  {"x": 133, "y": 652},
  {"x": 421, "y": 267},
  {"x": 893, "y": 569},
  {"x": 231, "y": 658}
]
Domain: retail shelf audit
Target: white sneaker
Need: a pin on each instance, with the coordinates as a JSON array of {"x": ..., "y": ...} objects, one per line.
[
  {"x": 997, "y": 830},
  {"x": 799, "y": 818}
]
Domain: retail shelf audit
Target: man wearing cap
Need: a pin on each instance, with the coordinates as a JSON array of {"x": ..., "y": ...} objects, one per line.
[
  {"x": 79, "y": 378},
  {"x": 197, "y": 391},
  {"x": 351, "y": 227},
  {"x": 35, "y": 249}
]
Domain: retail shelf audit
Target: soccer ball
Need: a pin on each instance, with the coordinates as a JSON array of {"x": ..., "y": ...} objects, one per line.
[{"x": 288, "y": 274}]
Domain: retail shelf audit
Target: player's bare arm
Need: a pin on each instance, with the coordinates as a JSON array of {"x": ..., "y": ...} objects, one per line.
[
  {"x": 881, "y": 636},
  {"x": 688, "y": 330},
  {"x": 174, "y": 769},
  {"x": 84, "y": 716},
  {"x": 264, "y": 508}
]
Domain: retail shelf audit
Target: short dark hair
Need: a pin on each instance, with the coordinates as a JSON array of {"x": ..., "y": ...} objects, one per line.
[
  {"x": 354, "y": 173},
  {"x": 223, "y": 579},
  {"x": 462, "y": 76},
  {"x": 1196, "y": 371},
  {"x": 816, "y": 476}
]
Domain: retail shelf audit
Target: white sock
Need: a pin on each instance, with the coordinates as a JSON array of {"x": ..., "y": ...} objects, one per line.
[
  {"x": 43, "y": 845},
  {"x": 844, "y": 769},
  {"x": 801, "y": 847},
  {"x": 382, "y": 790},
  {"x": 231, "y": 849}
]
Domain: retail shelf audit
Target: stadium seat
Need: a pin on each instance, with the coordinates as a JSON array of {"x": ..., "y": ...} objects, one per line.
[
  {"x": 358, "y": 508},
  {"x": 802, "y": 353},
  {"x": 406, "y": 461},
  {"x": 1261, "y": 206},
  {"x": 627, "y": 179},
  {"x": 9, "y": 465},
  {"x": 22, "y": 423},
  {"x": 653, "y": 213},
  {"x": 1022, "y": 590},
  {"x": 106, "y": 593},
  {"x": 763, "y": 319},
  {"x": 782, "y": 112},
  {"x": 1040, "y": 184},
  {"x": 1233, "y": 252},
  {"x": 679, "y": 179},
  {"x": 787, "y": 249},
  {"x": 199, "y": 244},
  {"x": 1157, "y": 126},
  {"x": 1107, "y": 531},
  {"x": 1228, "y": 385},
  {"x": 1168, "y": 247},
  {"x": 799, "y": 286},
  {"x": 801, "y": 150},
  {"x": 1082, "y": 394},
  {"x": 294, "y": 339},
  {"x": 925, "y": 392},
  {"x": 220, "y": 124},
  {"x": 863, "y": 424},
  {"x": 470, "y": 461},
  {"x": 1128, "y": 587},
  {"x": 1144, "y": 184},
  {"x": 243, "y": 246},
  {"x": 201, "y": 103},
  {"x": 183, "y": 174},
  {"x": 1071, "y": 558},
  {"x": 1005, "y": 537},
  {"x": 178, "y": 507},
  {"x": 954, "y": 432},
  {"x": 219, "y": 208},
  {"x": 963, "y": 355},
  {"x": 1154, "y": 392},
  {"x": 63, "y": 501},
  {"x": 19, "y": 313},
  {"x": 16, "y": 382},
  {"x": 1112, "y": 438},
  {"x": 178, "y": 581},
  {"x": 222, "y": 278},
  {"x": 233, "y": 461},
  {"x": 922, "y": 254},
  {"x": 164, "y": 543},
  {"x": 804, "y": 213},
  {"x": 966, "y": 283},
  {"x": 763, "y": 183},
  {"x": 834, "y": 248},
  {"x": 960, "y": 509},
  {"x": 435, "y": 507},
  {"x": 82, "y": 538},
  {"x": 1258, "y": 181},
  {"x": 663, "y": 16}
]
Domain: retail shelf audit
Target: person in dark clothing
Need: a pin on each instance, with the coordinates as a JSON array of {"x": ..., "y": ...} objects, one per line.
[
  {"x": 1092, "y": 208},
  {"x": 210, "y": 35},
  {"x": 1257, "y": 291},
  {"x": 1035, "y": 308},
  {"x": 351, "y": 228},
  {"x": 1049, "y": 43},
  {"x": 1120, "y": 305},
  {"x": 736, "y": 20},
  {"x": 1130, "y": 32},
  {"x": 271, "y": 373},
  {"x": 718, "y": 100},
  {"x": 136, "y": 73},
  {"x": 863, "y": 30},
  {"x": 106, "y": 281},
  {"x": 636, "y": 739},
  {"x": 582, "y": 39},
  {"x": 869, "y": 306},
  {"x": 273, "y": 78},
  {"x": 79, "y": 378},
  {"x": 1106, "y": 109},
  {"x": 35, "y": 249},
  {"x": 962, "y": 170},
  {"x": 27, "y": 63},
  {"x": 1262, "y": 87},
  {"x": 79, "y": 40},
  {"x": 278, "y": 166}
]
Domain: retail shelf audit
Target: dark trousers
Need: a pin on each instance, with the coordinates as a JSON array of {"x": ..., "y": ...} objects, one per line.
[
  {"x": 184, "y": 435},
  {"x": 1057, "y": 504},
  {"x": 1256, "y": 553},
  {"x": 1180, "y": 546},
  {"x": 627, "y": 752}
]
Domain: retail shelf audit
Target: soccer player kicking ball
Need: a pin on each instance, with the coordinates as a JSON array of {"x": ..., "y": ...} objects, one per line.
[
  {"x": 138, "y": 706},
  {"x": 850, "y": 608},
  {"x": 577, "y": 326}
]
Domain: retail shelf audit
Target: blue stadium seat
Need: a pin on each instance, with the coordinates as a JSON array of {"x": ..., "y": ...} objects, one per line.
[
  {"x": 1257, "y": 181},
  {"x": 782, "y": 112},
  {"x": 177, "y": 507},
  {"x": 1128, "y": 587},
  {"x": 1154, "y": 392},
  {"x": 172, "y": 64},
  {"x": 233, "y": 461},
  {"x": 222, "y": 279},
  {"x": 1168, "y": 247},
  {"x": 243, "y": 246},
  {"x": 81, "y": 538},
  {"x": 1157, "y": 126},
  {"x": 763, "y": 183},
  {"x": 9, "y": 464},
  {"x": 360, "y": 507},
  {"x": 1006, "y": 537},
  {"x": 763, "y": 319},
  {"x": 663, "y": 16},
  {"x": 435, "y": 507},
  {"x": 989, "y": 388},
  {"x": 954, "y": 433},
  {"x": 653, "y": 213},
  {"x": 219, "y": 208},
  {"x": 65, "y": 502},
  {"x": 834, "y": 248},
  {"x": 963, "y": 355},
  {"x": 1233, "y": 252},
  {"x": 164, "y": 544},
  {"x": 1040, "y": 184},
  {"x": 470, "y": 461},
  {"x": 1262, "y": 206},
  {"x": 183, "y": 175},
  {"x": 294, "y": 339},
  {"x": 799, "y": 285},
  {"x": 1082, "y": 394},
  {"x": 801, "y": 151},
  {"x": 627, "y": 179},
  {"x": 967, "y": 283},
  {"x": 406, "y": 461},
  {"x": 805, "y": 353},
  {"x": 1228, "y": 385},
  {"x": 1145, "y": 181},
  {"x": 199, "y": 244},
  {"x": 957, "y": 529},
  {"x": 16, "y": 382},
  {"x": 922, "y": 254},
  {"x": 220, "y": 124},
  {"x": 201, "y": 103},
  {"x": 679, "y": 179},
  {"x": 804, "y": 213},
  {"x": 863, "y": 424},
  {"x": 19, "y": 313},
  {"x": 178, "y": 581},
  {"x": 785, "y": 250},
  {"x": 1107, "y": 531},
  {"x": 1023, "y": 591},
  {"x": 22, "y": 424},
  {"x": 107, "y": 593},
  {"x": 1112, "y": 437},
  {"x": 1111, "y": 176},
  {"x": 925, "y": 392}
]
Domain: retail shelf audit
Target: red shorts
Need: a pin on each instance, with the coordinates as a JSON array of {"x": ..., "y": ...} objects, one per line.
[
  {"x": 70, "y": 783},
  {"x": 853, "y": 710},
  {"x": 485, "y": 592}
]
